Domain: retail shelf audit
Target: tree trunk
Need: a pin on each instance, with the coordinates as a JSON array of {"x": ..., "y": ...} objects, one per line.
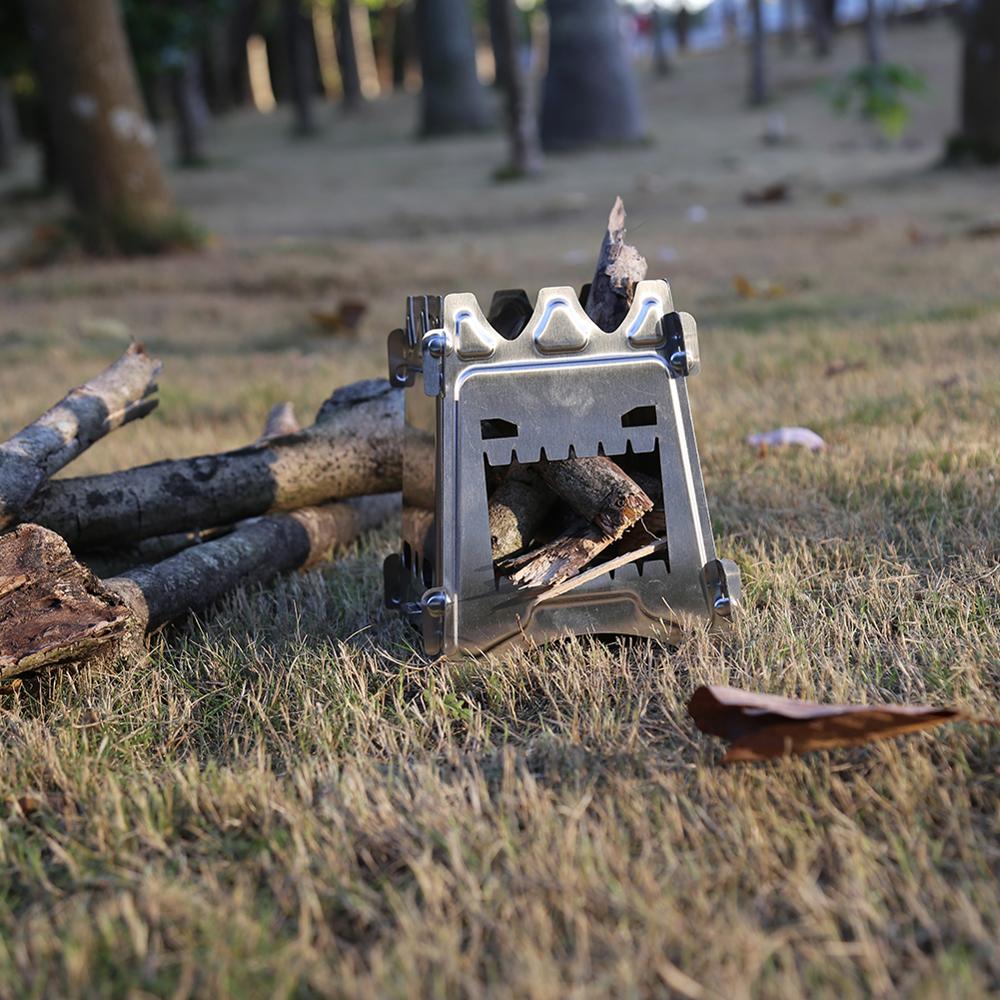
[
  {"x": 347, "y": 54},
  {"x": 822, "y": 28},
  {"x": 241, "y": 27},
  {"x": 757, "y": 93},
  {"x": 215, "y": 69},
  {"x": 452, "y": 99},
  {"x": 364, "y": 51},
  {"x": 404, "y": 46},
  {"x": 105, "y": 142},
  {"x": 301, "y": 69},
  {"x": 500, "y": 42},
  {"x": 661, "y": 57},
  {"x": 189, "y": 109},
  {"x": 254, "y": 552},
  {"x": 590, "y": 95},
  {"x": 979, "y": 139},
  {"x": 788, "y": 33},
  {"x": 9, "y": 134},
  {"x": 682, "y": 26},
  {"x": 525, "y": 158},
  {"x": 874, "y": 36}
]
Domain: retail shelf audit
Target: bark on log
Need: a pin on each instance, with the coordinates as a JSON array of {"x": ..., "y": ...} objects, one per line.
[
  {"x": 599, "y": 491},
  {"x": 122, "y": 392},
  {"x": 255, "y": 552},
  {"x": 516, "y": 509},
  {"x": 353, "y": 449},
  {"x": 421, "y": 468},
  {"x": 115, "y": 560},
  {"x": 53, "y": 611},
  {"x": 559, "y": 559}
]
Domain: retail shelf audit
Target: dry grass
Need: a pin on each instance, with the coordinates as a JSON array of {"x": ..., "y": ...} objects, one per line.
[{"x": 284, "y": 800}]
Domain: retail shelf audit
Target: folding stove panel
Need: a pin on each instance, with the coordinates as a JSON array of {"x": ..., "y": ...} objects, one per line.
[{"x": 545, "y": 383}]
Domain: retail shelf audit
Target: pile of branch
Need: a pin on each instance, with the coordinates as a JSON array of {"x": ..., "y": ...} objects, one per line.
[
  {"x": 601, "y": 507},
  {"x": 91, "y": 563},
  {"x": 95, "y": 562}
]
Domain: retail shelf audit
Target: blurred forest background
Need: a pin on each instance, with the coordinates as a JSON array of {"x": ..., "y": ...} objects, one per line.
[{"x": 77, "y": 95}]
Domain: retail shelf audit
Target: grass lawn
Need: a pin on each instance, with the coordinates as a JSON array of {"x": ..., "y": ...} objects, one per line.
[{"x": 284, "y": 799}]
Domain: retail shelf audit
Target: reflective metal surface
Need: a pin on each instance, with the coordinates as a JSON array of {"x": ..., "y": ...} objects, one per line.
[{"x": 536, "y": 383}]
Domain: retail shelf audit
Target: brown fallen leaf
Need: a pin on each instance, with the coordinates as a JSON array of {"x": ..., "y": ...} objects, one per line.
[
  {"x": 986, "y": 230},
  {"x": 769, "y": 194},
  {"x": 763, "y": 288},
  {"x": 343, "y": 318},
  {"x": 762, "y": 726},
  {"x": 30, "y": 804},
  {"x": 842, "y": 367}
]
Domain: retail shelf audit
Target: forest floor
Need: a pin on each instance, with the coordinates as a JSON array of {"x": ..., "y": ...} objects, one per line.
[{"x": 284, "y": 799}]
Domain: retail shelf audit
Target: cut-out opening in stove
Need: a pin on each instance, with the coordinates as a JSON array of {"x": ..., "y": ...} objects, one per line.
[
  {"x": 531, "y": 524},
  {"x": 494, "y": 429},
  {"x": 640, "y": 416}
]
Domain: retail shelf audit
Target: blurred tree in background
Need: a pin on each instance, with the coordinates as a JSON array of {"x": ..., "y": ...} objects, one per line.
[
  {"x": 757, "y": 94},
  {"x": 104, "y": 141},
  {"x": 347, "y": 54},
  {"x": 590, "y": 95},
  {"x": 15, "y": 72},
  {"x": 978, "y": 138},
  {"x": 505, "y": 34},
  {"x": 298, "y": 36},
  {"x": 197, "y": 59},
  {"x": 166, "y": 40},
  {"x": 453, "y": 100}
]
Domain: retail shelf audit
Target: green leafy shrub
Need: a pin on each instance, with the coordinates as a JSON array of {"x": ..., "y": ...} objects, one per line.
[{"x": 878, "y": 94}]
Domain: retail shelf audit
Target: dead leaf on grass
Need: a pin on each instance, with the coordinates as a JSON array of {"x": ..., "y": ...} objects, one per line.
[
  {"x": 30, "y": 804},
  {"x": 340, "y": 319},
  {"x": 842, "y": 367},
  {"x": 986, "y": 230},
  {"x": 762, "y": 726},
  {"x": 769, "y": 194},
  {"x": 761, "y": 289}
]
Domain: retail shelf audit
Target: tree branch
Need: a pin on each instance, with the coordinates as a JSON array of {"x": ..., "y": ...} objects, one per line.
[{"x": 121, "y": 393}]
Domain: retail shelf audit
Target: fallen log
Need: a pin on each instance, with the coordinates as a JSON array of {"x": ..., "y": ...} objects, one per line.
[
  {"x": 54, "y": 611},
  {"x": 121, "y": 393},
  {"x": 254, "y": 552},
  {"x": 516, "y": 508},
  {"x": 353, "y": 449},
  {"x": 114, "y": 560},
  {"x": 599, "y": 491}
]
